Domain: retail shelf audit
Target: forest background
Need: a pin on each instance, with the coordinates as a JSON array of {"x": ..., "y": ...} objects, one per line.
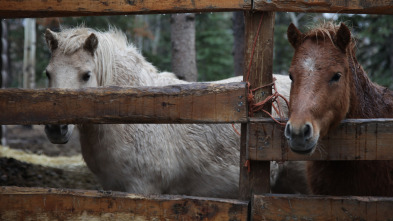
[{"x": 216, "y": 42}]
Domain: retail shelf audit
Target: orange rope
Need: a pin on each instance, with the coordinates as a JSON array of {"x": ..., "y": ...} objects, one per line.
[
  {"x": 247, "y": 164},
  {"x": 253, "y": 47},
  {"x": 255, "y": 107},
  {"x": 236, "y": 131}
]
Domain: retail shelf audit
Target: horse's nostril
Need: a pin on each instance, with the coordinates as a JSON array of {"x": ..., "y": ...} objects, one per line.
[
  {"x": 64, "y": 127},
  {"x": 287, "y": 132},
  {"x": 307, "y": 132}
]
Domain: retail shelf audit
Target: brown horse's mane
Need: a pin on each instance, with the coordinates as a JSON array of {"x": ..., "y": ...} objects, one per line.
[
  {"x": 326, "y": 30},
  {"x": 368, "y": 100}
]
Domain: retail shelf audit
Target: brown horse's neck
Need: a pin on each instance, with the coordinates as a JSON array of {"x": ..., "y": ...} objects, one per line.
[
  {"x": 368, "y": 100},
  {"x": 340, "y": 178}
]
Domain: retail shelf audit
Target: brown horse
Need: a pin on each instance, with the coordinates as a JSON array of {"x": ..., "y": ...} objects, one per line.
[{"x": 328, "y": 85}]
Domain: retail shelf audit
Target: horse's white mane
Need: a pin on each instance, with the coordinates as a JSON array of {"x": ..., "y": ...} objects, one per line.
[{"x": 112, "y": 52}]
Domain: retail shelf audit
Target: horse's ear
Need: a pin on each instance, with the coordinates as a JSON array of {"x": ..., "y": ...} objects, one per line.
[
  {"x": 343, "y": 37},
  {"x": 295, "y": 37},
  {"x": 51, "y": 39},
  {"x": 91, "y": 44}
]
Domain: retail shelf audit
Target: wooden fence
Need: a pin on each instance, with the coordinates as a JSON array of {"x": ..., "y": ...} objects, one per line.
[{"x": 362, "y": 139}]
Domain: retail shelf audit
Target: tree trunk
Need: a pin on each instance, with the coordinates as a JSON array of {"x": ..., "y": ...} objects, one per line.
[
  {"x": 157, "y": 34},
  {"x": 3, "y": 68},
  {"x": 183, "y": 46},
  {"x": 391, "y": 52},
  {"x": 295, "y": 18},
  {"x": 29, "y": 54},
  {"x": 238, "y": 42},
  {"x": 138, "y": 24}
]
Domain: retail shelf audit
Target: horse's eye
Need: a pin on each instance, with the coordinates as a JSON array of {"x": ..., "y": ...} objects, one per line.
[
  {"x": 47, "y": 74},
  {"x": 290, "y": 77},
  {"x": 336, "y": 77},
  {"x": 86, "y": 76}
]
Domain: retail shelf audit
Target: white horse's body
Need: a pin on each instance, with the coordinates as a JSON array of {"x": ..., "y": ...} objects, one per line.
[{"x": 186, "y": 159}]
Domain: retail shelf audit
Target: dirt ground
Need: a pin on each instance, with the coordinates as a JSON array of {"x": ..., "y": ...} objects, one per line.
[{"x": 35, "y": 172}]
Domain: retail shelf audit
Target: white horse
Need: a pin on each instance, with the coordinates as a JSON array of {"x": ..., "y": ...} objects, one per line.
[{"x": 191, "y": 159}]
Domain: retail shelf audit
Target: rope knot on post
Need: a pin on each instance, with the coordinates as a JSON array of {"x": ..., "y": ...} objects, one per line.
[{"x": 255, "y": 107}]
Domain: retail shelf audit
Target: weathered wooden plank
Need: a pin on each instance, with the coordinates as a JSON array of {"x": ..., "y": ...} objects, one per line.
[
  {"x": 52, "y": 8},
  {"x": 21, "y": 203},
  {"x": 296, "y": 207},
  {"x": 354, "y": 139},
  {"x": 329, "y": 6},
  {"x": 55, "y": 8},
  {"x": 189, "y": 103},
  {"x": 255, "y": 178}
]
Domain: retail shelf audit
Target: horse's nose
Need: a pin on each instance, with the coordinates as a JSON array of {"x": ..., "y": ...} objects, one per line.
[
  {"x": 58, "y": 134},
  {"x": 303, "y": 131},
  {"x": 288, "y": 130},
  {"x": 307, "y": 131},
  {"x": 299, "y": 137}
]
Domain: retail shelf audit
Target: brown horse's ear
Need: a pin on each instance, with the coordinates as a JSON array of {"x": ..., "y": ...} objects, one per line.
[
  {"x": 51, "y": 39},
  {"x": 91, "y": 44},
  {"x": 343, "y": 37},
  {"x": 295, "y": 37}
]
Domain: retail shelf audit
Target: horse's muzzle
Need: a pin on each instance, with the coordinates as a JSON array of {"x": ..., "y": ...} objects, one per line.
[
  {"x": 58, "y": 134},
  {"x": 301, "y": 138}
]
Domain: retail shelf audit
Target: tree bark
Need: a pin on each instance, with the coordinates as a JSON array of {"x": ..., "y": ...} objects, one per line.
[
  {"x": 29, "y": 54},
  {"x": 183, "y": 46},
  {"x": 138, "y": 23},
  {"x": 157, "y": 35},
  {"x": 238, "y": 42},
  {"x": 391, "y": 52},
  {"x": 3, "y": 69}
]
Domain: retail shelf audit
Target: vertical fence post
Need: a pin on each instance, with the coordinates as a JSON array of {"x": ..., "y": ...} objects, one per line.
[
  {"x": 256, "y": 181},
  {"x": 3, "y": 68}
]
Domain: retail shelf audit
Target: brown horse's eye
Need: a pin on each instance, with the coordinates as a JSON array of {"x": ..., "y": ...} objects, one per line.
[
  {"x": 86, "y": 76},
  {"x": 335, "y": 78},
  {"x": 290, "y": 77}
]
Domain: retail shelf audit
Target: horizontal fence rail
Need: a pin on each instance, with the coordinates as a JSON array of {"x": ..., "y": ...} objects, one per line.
[
  {"x": 55, "y": 8},
  {"x": 326, "y": 6},
  {"x": 354, "y": 139},
  {"x": 188, "y": 103},
  {"x": 296, "y": 207},
  {"x": 21, "y": 203}
]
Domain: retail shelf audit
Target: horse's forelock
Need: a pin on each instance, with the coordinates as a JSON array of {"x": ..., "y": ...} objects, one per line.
[
  {"x": 71, "y": 40},
  {"x": 326, "y": 30}
]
